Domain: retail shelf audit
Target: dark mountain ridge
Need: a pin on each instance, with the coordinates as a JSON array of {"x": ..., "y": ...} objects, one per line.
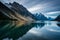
[
  {"x": 57, "y": 18},
  {"x": 21, "y": 10}
]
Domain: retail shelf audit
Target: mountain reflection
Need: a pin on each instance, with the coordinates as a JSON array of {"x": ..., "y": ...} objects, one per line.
[
  {"x": 46, "y": 30},
  {"x": 38, "y": 24},
  {"x": 58, "y": 24},
  {"x": 8, "y": 30},
  {"x": 50, "y": 31}
]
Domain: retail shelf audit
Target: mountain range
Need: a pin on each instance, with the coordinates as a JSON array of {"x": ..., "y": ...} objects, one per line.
[
  {"x": 16, "y": 11},
  {"x": 40, "y": 16},
  {"x": 20, "y": 9}
]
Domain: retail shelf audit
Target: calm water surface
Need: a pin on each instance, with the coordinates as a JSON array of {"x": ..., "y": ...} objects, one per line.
[
  {"x": 48, "y": 30},
  {"x": 42, "y": 30}
]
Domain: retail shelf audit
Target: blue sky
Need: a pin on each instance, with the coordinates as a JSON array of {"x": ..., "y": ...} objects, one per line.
[{"x": 47, "y": 7}]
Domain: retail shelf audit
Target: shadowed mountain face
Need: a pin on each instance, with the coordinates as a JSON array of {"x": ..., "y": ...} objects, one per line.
[
  {"x": 2, "y": 16},
  {"x": 21, "y": 10},
  {"x": 17, "y": 12},
  {"x": 57, "y": 18}
]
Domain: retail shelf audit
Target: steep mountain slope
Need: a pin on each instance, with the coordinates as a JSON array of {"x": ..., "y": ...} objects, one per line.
[
  {"x": 21, "y": 10},
  {"x": 57, "y": 18},
  {"x": 17, "y": 11}
]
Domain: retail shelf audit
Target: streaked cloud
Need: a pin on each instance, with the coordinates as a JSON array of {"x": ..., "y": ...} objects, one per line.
[{"x": 53, "y": 14}]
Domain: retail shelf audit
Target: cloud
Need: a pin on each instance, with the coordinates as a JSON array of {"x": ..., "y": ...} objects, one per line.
[
  {"x": 40, "y": 7},
  {"x": 53, "y": 14},
  {"x": 35, "y": 8}
]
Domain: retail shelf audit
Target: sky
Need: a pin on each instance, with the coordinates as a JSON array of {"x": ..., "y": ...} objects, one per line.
[{"x": 50, "y": 8}]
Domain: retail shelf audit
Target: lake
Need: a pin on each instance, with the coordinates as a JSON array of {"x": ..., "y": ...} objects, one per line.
[{"x": 40, "y": 30}]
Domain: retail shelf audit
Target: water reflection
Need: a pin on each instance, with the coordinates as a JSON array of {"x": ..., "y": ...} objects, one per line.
[
  {"x": 9, "y": 31},
  {"x": 50, "y": 31},
  {"x": 46, "y": 30},
  {"x": 58, "y": 24},
  {"x": 38, "y": 24}
]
